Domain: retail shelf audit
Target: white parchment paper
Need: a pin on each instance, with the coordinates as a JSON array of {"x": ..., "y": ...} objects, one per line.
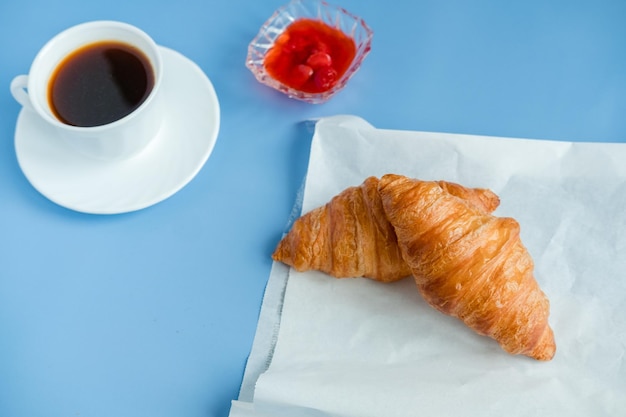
[{"x": 359, "y": 348}]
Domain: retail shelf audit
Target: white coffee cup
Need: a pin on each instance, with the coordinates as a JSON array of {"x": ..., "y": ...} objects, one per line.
[{"x": 119, "y": 139}]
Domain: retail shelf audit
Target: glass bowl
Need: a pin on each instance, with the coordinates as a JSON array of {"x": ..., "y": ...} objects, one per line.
[{"x": 333, "y": 16}]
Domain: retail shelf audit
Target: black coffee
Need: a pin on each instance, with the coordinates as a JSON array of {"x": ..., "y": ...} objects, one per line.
[{"x": 99, "y": 84}]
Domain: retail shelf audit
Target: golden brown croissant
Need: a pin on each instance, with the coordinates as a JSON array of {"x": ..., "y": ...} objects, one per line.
[
  {"x": 469, "y": 264},
  {"x": 350, "y": 236}
]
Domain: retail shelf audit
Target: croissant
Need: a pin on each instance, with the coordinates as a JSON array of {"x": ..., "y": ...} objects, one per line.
[
  {"x": 350, "y": 236},
  {"x": 469, "y": 264}
]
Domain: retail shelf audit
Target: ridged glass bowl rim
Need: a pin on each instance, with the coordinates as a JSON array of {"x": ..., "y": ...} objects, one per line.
[{"x": 335, "y": 16}]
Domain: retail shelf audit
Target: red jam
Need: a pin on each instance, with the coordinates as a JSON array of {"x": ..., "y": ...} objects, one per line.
[{"x": 310, "y": 56}]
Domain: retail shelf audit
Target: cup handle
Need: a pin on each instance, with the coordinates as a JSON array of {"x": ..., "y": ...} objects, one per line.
[{"x": 19, "y": 91}]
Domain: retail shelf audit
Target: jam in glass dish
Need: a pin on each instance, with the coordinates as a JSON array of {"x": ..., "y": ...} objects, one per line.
[{"x": 309, "y": 49}]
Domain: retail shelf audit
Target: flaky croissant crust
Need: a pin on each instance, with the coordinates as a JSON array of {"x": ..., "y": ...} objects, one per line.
[
  {"x": 466, "y": 262},
  {"x": 469, "y": 264},
  {"x": 347, "y": 237},
  {"x": 350, "y": 236}
]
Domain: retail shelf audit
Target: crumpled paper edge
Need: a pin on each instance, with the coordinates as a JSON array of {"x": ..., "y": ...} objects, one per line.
[{"x": 266, "y": 335}]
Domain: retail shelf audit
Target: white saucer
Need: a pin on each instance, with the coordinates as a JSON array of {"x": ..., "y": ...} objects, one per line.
[{"x": 170, "y": 161}]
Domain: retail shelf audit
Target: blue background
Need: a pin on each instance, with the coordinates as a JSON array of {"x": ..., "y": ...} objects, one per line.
[{"x": 153, "y": 313}]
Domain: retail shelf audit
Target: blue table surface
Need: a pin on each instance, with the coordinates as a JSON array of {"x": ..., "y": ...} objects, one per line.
[{"x": 153, "y": 313}]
